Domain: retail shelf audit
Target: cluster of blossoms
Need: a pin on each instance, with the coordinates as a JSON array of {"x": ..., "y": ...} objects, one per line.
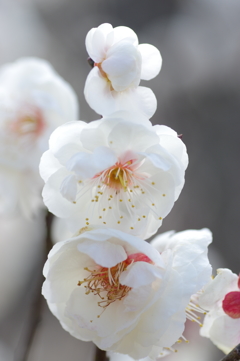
[{"x": 112, "y": 182}]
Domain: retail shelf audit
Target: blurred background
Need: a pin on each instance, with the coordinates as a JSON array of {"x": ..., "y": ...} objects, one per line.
[{"x": 198, "y": 94}]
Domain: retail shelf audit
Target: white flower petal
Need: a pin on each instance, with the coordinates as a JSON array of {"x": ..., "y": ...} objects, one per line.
[
  {"x": 106, "y": 255},
  {"x": 57, "y": 204},
  {"x": 123, "y": 32},
  {"x": 50, "y": 165},
  {"x": 122, "y": 71},
  {"x": 140, "y": 274},
  {"x": 96, "y": 42},
  {"x": 68, "y": 188},
  {"x": 88, "y": 165},
  {"x": 151, "y": 61},
  {"x": 65, "y": 134},
  {"x": 146, "y": 100},
  {"x": 224, "y": 333},
  {"x": 98, "y": 93}
]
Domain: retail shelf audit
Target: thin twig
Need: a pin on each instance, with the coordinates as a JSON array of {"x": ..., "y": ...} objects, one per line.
[
  {"x": 234, "y": 355},
  {"x": 101, "y": 355}
]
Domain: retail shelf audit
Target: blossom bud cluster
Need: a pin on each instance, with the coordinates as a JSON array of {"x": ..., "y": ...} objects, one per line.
[{"x": 113, "y": 181}]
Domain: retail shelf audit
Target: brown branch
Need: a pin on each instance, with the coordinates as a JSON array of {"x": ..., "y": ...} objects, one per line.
[
  {"x": 101, "y": 355},
  {"x": 234, "y": 355}
]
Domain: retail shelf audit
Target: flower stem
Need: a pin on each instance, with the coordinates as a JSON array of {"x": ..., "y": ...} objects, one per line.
[
  {"x": 101, "y": 355},
  {"x": 234, "y": 355}
]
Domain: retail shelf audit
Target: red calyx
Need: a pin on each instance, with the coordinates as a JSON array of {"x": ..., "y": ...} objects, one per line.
[{"x": 231, "y": 304}]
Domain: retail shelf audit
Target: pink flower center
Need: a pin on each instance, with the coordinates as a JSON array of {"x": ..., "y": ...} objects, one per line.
[
  {"x": 119, "y": 176},
  {"x": 29, "y": 122},
  {"x": 104, "y": 282}
]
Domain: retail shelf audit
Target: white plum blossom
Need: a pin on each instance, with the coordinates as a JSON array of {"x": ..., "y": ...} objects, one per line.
[
  {"x": 113, "y": 172},
  {"x": 125, "y": 295},
  {"x": 221, "y": 297},
  {"x": 34, "y": 100},
  {"x": 119, "y": 63}
]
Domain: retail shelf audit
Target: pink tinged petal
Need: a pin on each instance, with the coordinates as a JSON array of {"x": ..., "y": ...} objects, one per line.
[
  {"x": 239, "y": 281},
  {"x": 137, "y": 257},
  {"x": 231, "y": 304},
  {"x": 123, "y": 66},
  {"x": 151, "y": 61},
  {"x": 140, "y": 274},
  {"x": 48, "y": 165},
  {"x": 105, "y": 254},
  {"x": 68, "y": 188},
  {"x": 123, "y": 32}
]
